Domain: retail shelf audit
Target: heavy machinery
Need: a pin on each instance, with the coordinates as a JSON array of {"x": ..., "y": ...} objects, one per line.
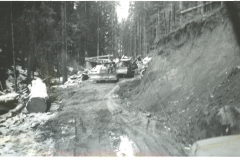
[
  {"x": 125, "y": 68},
  {"x": 219, "y": 146},
  {"x": 105, "y": 69}
]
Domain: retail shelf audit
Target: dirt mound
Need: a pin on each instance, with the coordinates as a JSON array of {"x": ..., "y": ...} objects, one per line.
[{"x": 192, "y": 75}]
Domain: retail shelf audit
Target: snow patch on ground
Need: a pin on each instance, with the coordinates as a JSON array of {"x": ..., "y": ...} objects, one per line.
[
  {"x": 127, "y": 147},
  {"x": 22, "y": 76},
  {"x": 146, "y": 60},
  {"x": 9, "y": 96},
  {"x": 22, "y": 71},
  {"x": 38, "y": 89},
  {"x": 20, "y": 136}
]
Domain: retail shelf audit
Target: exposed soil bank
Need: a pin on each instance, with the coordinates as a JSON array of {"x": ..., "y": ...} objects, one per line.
[{"x": 193, "y": 73}]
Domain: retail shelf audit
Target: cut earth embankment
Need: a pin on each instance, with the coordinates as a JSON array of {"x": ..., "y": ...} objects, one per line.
[{"x": 194, "y": 72}]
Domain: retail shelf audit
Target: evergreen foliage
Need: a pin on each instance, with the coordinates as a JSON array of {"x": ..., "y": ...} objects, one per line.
[{"x": 38, "y": 34}]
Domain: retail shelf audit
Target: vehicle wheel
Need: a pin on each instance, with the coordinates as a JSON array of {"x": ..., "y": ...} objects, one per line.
[
  {"x": 143, "y": 72},
  {"x": 131, "y": 75},
  {"x": 117, "y": 78}
]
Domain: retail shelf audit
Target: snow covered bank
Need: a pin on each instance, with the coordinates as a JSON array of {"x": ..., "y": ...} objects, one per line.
[
  {"x": 8, "y": 97},
  {"x": 19, "y": 136},
  {"x": 21, "y": 76},
  {"x": 38, "y": 89}
]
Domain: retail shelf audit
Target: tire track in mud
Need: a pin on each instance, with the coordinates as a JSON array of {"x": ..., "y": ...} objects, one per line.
[
  {"x": 101, "y": 126},
  {"x": 146, "y": 143}
]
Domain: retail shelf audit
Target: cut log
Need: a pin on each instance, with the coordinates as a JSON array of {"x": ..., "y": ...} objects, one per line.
[
  {"x": 17, "y": 109},
  {"x": 36, "y": 105},
  {"x": 193, "y": 8},
  {"x": 8, "y": 97},
  {"x": 2, "y": 93},
  {"x": 38, "y": 96},
  {"x": 10, "y": 113}
]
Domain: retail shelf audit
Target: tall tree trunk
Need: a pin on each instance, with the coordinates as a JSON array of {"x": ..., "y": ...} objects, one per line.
[
  {"x": 122, "y": 41},
  {"x": 78, "y": 56},
  {"x": 137, "y": 37},
  {"x": 144, "y": 31},
  {"x": 165, "y": 20},
  {"x": 29, "y": 59},
  {"x": 180, "y": 9},
  {"x": 32, "y": 47},
  {"x": 135, "y": 43},
  {"x": 169, "y": 22},
  {"x": 203, "y": 7},
  {"x": 144, "y": 37},
  {"x": 22, "y": 44},
  {"x": 59, "y": 67},
  {"x": 140, "y": 37},
  {"x": 86, "y": 37},
  {"x": 48, "y": 70},
  {"x": 112, "y": 17},
  {"x": 210, "y": 6},
  {"x": 130, "y": 44},
  {"x": 14, "y": 58},
  {"x": 101, "y": 42},
  {"x": 63, "y": 45},
  {"x": 158, "y": 26},
  {"x": 173, "y": 15},
  {"x": 98, "y": 34}
]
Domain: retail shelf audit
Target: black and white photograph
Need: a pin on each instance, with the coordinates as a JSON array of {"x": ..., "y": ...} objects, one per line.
[{"x": 120, "y": 79}]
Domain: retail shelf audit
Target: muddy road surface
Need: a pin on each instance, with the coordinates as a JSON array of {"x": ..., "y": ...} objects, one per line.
[{"x": 94, "y": 121}]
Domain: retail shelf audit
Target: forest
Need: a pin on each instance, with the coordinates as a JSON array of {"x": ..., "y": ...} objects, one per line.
[
  {"x": 77, "y": 79},
  {"x": 48, "y": 36}
]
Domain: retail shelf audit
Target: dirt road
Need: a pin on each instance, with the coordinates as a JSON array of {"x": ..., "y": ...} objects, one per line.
[{"x": 95, "y": 122}]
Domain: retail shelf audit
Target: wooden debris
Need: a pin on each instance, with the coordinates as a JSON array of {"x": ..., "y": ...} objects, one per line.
[
  {"x": 18, "y": 108},
  {"x": 4, "y": 117},
  {"x": 193, "y": 8},
  {"x": 36, "y": 105},
  {"x": 8, "y": 97},
  {"x": 2, "y": 93},
  {"x": 10, "y": 113}
]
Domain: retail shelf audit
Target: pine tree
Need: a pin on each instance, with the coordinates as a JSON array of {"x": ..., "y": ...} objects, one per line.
[{"x": 63, "y": 44}]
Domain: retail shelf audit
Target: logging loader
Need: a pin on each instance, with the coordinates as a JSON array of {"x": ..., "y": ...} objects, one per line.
[{"x": 107, "y": 70}]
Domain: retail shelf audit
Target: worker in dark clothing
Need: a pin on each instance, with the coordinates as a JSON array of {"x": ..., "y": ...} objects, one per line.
[{"x": 112, "y": 67}]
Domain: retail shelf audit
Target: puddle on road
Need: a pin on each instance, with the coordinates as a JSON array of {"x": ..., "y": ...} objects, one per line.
[
  {"x": 124, "y": 147},
  {"x": 127, "y": 147}
]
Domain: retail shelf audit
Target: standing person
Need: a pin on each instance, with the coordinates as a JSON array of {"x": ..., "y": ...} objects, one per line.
[{"x": 112, "y": 67}]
